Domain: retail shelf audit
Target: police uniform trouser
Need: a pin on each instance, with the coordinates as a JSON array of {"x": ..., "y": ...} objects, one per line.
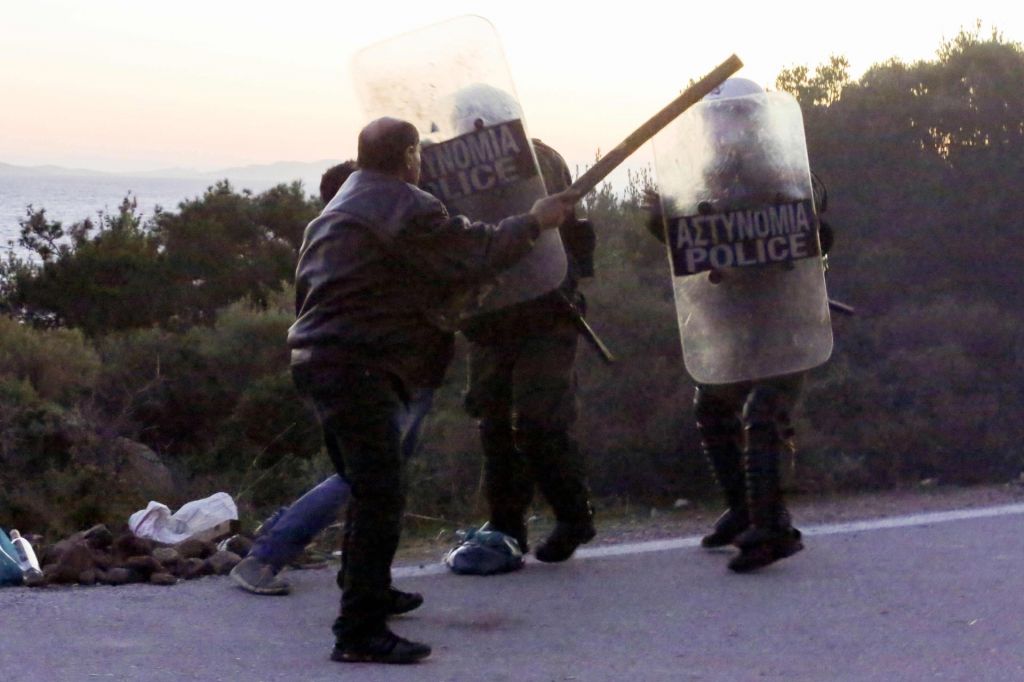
[
  {"x": 360, "y": 410},
  {"x": 522, "y": 387},
  {"x": 743, "y": 427}
]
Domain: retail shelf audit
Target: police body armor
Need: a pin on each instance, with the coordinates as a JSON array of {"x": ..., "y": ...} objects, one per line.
[
  {"x": 742, "y": 238},
  {"x": 451, "y": 81}
]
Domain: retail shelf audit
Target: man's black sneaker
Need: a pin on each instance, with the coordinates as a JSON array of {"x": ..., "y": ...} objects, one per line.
[
  {"x": 759, "y": 548},
  {"x": 564, "y": 540},
  {"x": 726, "y": 529},
  {"x": 387, "y": 647},
  {"x": 403, "y": 602}
]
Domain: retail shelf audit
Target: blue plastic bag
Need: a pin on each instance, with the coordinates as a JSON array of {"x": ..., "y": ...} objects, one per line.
[
  {"x": 485, "y": 552},
  {"x": 10, "y": 571}
]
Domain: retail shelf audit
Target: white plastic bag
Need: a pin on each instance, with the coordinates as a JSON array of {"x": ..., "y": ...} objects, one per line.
[{"x": 156, "y": 522}]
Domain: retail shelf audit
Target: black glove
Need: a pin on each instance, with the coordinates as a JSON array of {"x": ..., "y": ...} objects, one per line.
[
  {"x": 827, "y": 237},
  {"x": 580, "y": 241},
  {"x": 655, "y": 223}
]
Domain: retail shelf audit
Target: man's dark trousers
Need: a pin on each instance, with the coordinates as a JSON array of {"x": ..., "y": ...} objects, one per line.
[{"x": 360, "y": 408}]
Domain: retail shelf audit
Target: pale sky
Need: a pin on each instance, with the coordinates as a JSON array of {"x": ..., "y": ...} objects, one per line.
[{"x": 122, "y": 86}]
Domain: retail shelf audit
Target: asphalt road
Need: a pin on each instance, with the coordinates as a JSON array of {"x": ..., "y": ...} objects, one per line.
[{"x": 933, "y": 597}]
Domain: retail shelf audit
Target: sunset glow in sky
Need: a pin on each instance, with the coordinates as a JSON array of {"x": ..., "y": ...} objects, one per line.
[{"x": 123, "y": 86}]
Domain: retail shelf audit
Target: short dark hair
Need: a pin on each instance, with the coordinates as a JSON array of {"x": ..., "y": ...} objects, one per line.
[
  {"x": 333, "y": 178},
  {"x": 383, "y": 142}
]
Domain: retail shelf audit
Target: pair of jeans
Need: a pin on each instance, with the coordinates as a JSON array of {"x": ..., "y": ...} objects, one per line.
[{"x": 288, "y": 531}]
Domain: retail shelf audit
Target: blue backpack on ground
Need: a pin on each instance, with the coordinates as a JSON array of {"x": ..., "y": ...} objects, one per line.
[
  {"x": 485, "y": 552},
  {"x": 10, "y": 571}
]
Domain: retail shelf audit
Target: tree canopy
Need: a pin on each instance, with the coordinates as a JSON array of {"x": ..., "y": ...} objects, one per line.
[{"x": 176, "y": 269}]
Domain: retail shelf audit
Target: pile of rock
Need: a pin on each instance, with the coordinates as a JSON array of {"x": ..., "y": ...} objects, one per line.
[{"x": 98, "y": 556}]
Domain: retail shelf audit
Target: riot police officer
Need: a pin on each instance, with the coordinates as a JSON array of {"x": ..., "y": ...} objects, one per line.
[{"x": 748, "y": 332}]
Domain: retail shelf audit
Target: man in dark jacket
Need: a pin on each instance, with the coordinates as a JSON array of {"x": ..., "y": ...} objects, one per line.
[
  {"x": 283, "y": 537},
  {"x": 379, "y": 278}
]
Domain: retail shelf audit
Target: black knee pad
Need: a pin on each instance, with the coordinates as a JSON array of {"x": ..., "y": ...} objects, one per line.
[{"x": 717, "y": 422}]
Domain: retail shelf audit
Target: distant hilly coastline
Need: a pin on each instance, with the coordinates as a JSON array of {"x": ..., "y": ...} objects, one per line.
[
  {"x": 9, "y": 170},
  {"x": 260, "y": 174}
]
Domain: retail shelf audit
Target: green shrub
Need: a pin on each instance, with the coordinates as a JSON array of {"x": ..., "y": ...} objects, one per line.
[{"x": 58, "y": 363}]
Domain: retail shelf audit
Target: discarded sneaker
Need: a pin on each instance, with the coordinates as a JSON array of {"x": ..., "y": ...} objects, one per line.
[
  {"x": 564, "y": 540},
  {"x": 258, "y": 577},
  {"x": 726, "y": 529},
  {"x": 759, "y": 548},
  {"x": 403, "y": 602},
  {"x": 386, "y": 647}
]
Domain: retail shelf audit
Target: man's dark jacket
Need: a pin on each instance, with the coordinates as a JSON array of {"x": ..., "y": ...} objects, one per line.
[{"x": 381, "y": 272}]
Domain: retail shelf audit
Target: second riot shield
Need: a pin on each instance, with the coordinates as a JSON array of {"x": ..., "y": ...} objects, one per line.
[
  {"x": 742, "y": 237},
  {"x": 451, "y": 81}
]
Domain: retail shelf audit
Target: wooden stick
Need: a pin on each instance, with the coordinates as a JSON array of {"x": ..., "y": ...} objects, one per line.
[{"x": 610, "y": 161}]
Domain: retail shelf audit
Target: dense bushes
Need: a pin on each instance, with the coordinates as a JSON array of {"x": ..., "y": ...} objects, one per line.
[
  {"x": 58, "y": 365},
  {"x": 52, "y": 462}
]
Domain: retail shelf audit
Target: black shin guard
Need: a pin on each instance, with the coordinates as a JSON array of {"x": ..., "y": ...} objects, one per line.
[
  {"x": 720, "y": 432},
  {"x": 508, "y": 485},
  {"x": 761, "y": 419},
  {"x": 771, "y": 535}
]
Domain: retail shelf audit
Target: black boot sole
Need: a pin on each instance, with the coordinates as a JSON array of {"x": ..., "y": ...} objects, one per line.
[
  {"x": 394, "y": 657},
  {"x": 719, "y": 540},
  {"x": 753, "y": 558},
  {"x": 561, "y": 549}
]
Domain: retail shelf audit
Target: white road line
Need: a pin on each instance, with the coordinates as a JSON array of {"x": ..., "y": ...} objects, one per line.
[{"x": 884, "y": 523}]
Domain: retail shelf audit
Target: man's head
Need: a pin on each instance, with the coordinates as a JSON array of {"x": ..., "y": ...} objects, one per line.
[
  {"x": 333, "y": 178},
  {"x": 392, "y": 146}
]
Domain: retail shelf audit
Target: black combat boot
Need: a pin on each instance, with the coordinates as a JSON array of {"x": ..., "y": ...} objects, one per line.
[
  {"x": 720, "y": 432},
  {"x": 729, "y": 526},
  {"x": 564, "y": 539},
  {"x": 726, "y": 461},
  {"x": 558, "y": 469},
  {"x": 760, "y": 547},
  {"x": 771, "y": 535}
]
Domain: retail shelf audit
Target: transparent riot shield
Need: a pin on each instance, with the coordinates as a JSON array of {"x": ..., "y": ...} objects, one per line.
[
  {"x": 452, "y": 82},
  {"x": 742, "y": 238}
]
